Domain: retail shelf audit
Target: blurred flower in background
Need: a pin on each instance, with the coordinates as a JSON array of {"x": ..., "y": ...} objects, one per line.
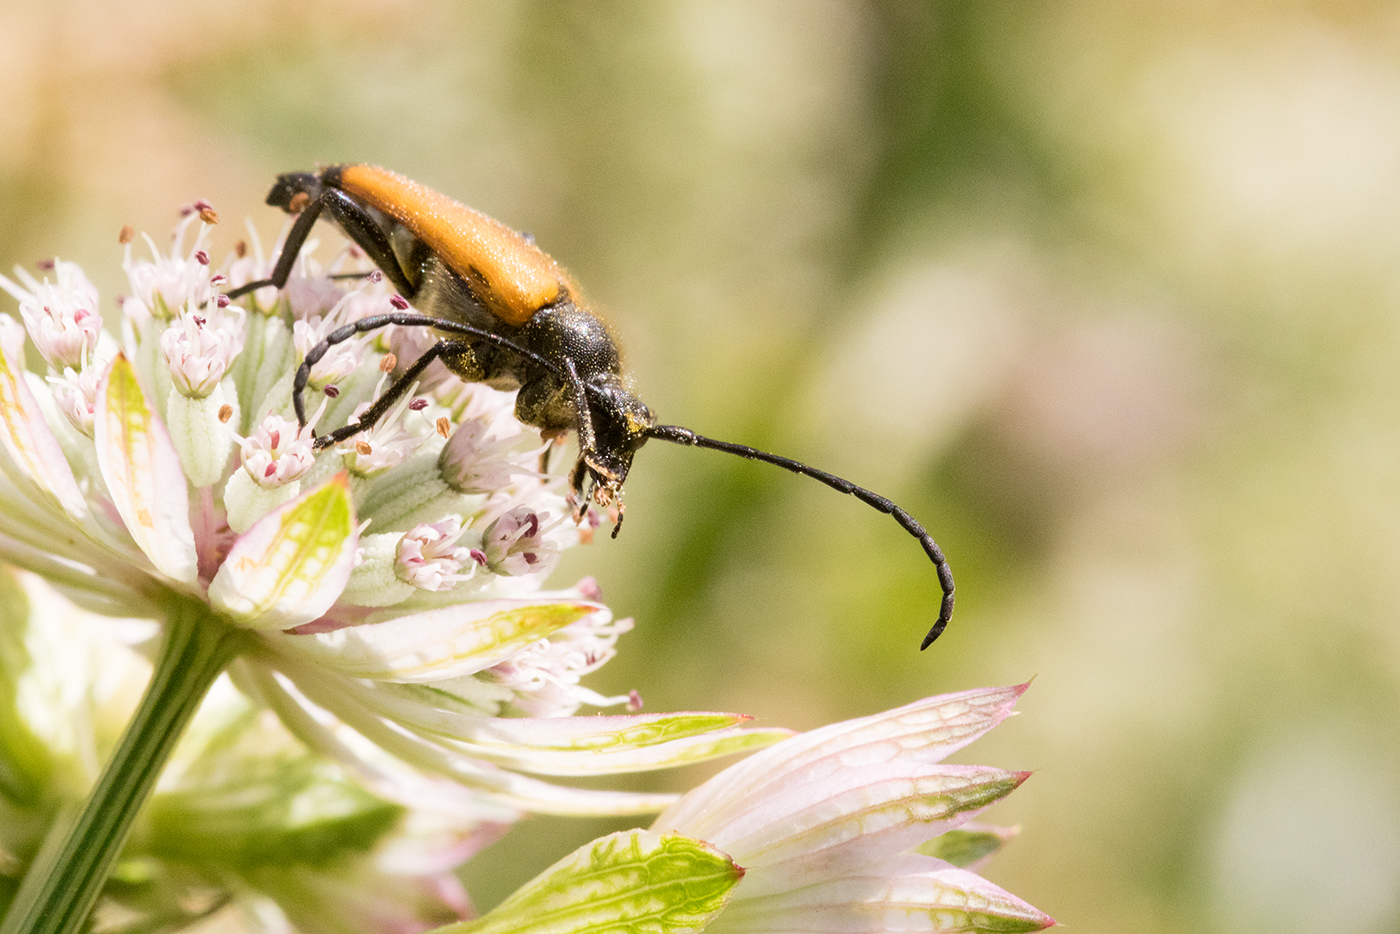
[{"x": 246, "y": 823}]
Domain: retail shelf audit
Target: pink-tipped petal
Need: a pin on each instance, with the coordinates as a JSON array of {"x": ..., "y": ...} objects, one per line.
[{"x": 925, "y": 731}]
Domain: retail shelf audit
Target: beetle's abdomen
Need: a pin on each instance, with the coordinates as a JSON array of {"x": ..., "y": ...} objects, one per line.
[{"x": 509, "y": 275}]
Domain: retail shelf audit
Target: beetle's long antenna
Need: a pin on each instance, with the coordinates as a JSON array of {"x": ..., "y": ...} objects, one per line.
[
  {"x": 678, "y": 435},
  {"x": 672, "y": 433}
]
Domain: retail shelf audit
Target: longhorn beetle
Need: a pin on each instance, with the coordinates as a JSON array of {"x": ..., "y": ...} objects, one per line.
[{"x": 512, "y": 317}]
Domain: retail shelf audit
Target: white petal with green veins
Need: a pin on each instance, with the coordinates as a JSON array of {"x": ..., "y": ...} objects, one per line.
[
  {"x": 437, "y": 644},
  {"x": 903, "y": 893},
  {"x": 32, "y": 445},
  {"x": 600, "y": 734},
  {"x": 634, "y": 881},
  {"x": 438, "y": 709},
  {"x": 922, "y": 732},
  {"x": 622, "y": 758},
  {"x": 564, "y": 746},
  {"x": 326, "y": 691},
  {"x": 842, "y": 820},
  {"x": 290, "y": 567},
  {"x": 143, "y": 473}
]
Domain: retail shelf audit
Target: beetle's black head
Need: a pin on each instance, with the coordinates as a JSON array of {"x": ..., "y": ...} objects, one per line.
[{"x": 621, "y": 423}]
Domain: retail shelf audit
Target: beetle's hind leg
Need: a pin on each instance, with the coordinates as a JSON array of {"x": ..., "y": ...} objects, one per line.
[{"x": 358, "y": 224}]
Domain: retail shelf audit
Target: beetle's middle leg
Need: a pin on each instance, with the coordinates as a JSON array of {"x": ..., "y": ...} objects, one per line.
[
  {"x": 447, "y": 350},
  {"x": 307, "y": 192}
]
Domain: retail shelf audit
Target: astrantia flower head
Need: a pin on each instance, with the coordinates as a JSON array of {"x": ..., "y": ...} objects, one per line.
[
  {"x": 145, "y": 502},
  {"x": 371, "y": 596}
]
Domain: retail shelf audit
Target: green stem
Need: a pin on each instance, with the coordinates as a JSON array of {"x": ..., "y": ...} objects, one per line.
[{"x": 64, "y": 881}]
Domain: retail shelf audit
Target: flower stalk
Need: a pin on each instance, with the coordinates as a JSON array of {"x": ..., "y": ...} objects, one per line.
[{"x": 61, "y": 886}]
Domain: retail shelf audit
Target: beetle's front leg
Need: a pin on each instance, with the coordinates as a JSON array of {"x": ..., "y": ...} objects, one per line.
[
  {"x": 587, "y": 441},
  {"x": 548, "y": 405},
  {"x": 291, "y": 247}
]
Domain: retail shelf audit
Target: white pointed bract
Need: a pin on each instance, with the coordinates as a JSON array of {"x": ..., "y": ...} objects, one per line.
[{"x": 825, "y": 824}]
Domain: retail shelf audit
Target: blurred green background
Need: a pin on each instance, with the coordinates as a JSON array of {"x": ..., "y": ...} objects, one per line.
[{"x": 1107, "y": 294}]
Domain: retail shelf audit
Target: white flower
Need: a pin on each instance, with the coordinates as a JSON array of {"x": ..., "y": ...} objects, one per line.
[
  {"x": 164, "y": 284},
  {"x": 278, "y": 452},
  {"x": 200, "y": 345},
  {"x": 429, "y": 558},
  {"x": 387, "y": 444},
  {"x": 75, "y": 394},
  {"x": 343, "y": 359},
  {"x": 544, "y": 677},
  {"x": 515, "y": 544},
  {"x": 61, "y": 317},
  {"x": 244, "y": 266},
  {"x": 825, "y": 824},
  {"x": 484, "y": 456},
  {"x": 145, "y": 509}
]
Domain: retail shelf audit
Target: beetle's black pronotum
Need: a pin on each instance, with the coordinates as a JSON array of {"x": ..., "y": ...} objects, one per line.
[{"x": 511, "y": 317}]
